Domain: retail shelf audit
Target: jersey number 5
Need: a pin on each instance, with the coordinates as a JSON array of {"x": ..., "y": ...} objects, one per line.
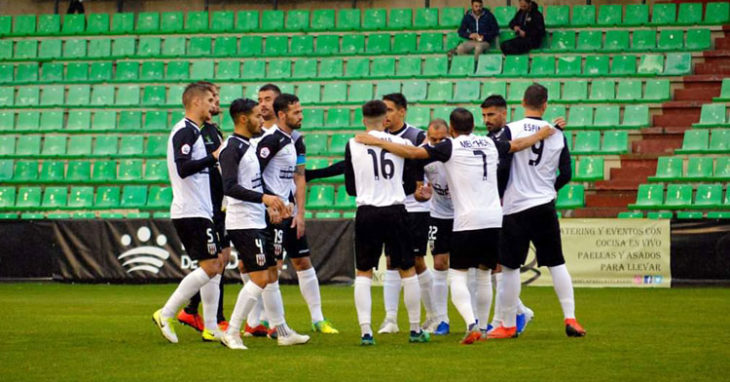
[
  {"x": 387, "y": 167},
  {"x": 537, "y": 149}
]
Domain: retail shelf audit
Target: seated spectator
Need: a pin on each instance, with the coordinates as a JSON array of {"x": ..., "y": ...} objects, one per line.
[
  {"x": 529, "y": 27},
  {"x": 479, "y": 27}
]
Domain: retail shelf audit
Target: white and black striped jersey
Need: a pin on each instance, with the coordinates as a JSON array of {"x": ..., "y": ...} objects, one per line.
[
  {"x": 242, "y": 184},
  {"x": 533, "y": 173},
  {"x": 471, "y": 170},
  {"x": 188, "y": 164},
  {"x": 442, "y": 207},
  {"x": 416, "y": 136},
  {"x": 375, "y": 176},
  {"x": 279, "y": 154}
]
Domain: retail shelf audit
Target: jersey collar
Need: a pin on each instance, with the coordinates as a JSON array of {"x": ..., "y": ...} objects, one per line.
[
  {"x": 537, "y": 118},
  {"x": 241, "y": 137},
  {"x": 192, "y": 122},
  {"x": 399, "y": 131}
]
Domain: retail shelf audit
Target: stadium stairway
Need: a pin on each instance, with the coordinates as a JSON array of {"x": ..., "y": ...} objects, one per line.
[{"x": 611, "y": 197}]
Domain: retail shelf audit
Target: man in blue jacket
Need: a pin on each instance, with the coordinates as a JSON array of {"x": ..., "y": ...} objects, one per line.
[{"x": 479, "y": 28}]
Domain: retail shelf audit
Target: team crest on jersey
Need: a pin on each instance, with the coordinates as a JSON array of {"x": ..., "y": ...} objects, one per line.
[
  {"x": 265, "y": 152},
  {"x": 212, "y": 249},
  {"x": 261, "y": 259},
  {"x": 278, "y": 249},
  {"x": 185, "y": 149}
]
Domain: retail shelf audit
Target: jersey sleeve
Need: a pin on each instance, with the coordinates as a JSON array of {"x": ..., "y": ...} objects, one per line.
[
  {"x": 421, "y": 137},
  {"x": 566, "y": 172},
  {"x": 503, "y": 146},
  {"x": 182, "y": 147},
  {"x": 349, "y": 172},
  {"x": 230, "y": 159},
  {"x": 266, "y": 149},
  {"x": 441, "y": 151},
  {"x": 337, "y": 168},
  {"x": 301, "y": 151}
]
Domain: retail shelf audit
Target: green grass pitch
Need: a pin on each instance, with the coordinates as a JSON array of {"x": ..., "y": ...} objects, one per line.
[{"x": 61, "y": 332}]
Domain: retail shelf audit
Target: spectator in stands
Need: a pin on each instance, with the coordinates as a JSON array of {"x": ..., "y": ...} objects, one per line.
[
  {"x": 479, "y": 28},
  {"x": 76, "y": 6},
  {"x": 529, "y": 28}
]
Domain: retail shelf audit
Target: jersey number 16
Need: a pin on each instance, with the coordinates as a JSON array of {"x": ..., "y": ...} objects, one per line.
[{"x": 387, "y": 167}]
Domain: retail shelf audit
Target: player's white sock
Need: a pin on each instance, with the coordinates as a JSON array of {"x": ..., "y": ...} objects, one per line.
[
  {"x": 309, "y": 286},
  {"x": 189, "y": 285},
  {"x": 425, "y": 281},
  {"x": 247, "y": 298},
  {"x": 363, "y": 304},
  {"x": 509, "y": 292},
  {"x": 497, "y": 317},
  {"x": 471, "y": 283},
  {"x": 564, "y": 289},
  {"x": 245, "y": 277},
  {"x": 209, "y": 295},
  {"x": 391, "y": 294},
  {"x": 441, "y": 294},
  {"x": 460, "y": 296},
  {"x": 484, "y": 297},
  {"x": 521, "y": 308},
  {"x": 254, "y": 316},
  {"x": 412, "y": 299},
  {"x": 273, "y": 304}
]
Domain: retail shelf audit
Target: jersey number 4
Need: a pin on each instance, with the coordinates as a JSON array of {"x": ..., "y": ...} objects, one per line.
[
  {"x": 537, "y": 149},
  {"x": 386, "y": 166}
]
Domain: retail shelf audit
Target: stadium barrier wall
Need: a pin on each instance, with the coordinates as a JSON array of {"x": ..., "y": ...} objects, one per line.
[{"x": 148, "y": 250}]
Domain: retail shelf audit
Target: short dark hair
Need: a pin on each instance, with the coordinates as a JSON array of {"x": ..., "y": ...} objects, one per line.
[
  {"x": 535, "y": 96},
  {"x": 494, "y": 100},
  {"x": 476, "y": 1},
  {"x": 374, "y": 109},
  {"x": 194, "y": 90},
  {"x": 462, "y": 120},
  {"x": 440, "y": 122},
  {"x": 271, "y": 87},
  {"x": 242, "y": 106},
  {"x": 398, "y": 99},
  {"x": 282, "y": 102}
]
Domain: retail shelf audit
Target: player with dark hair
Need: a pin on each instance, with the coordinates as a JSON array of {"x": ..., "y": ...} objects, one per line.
[
  {"x": 267, "y": 94},
  {"x": 380, "y": 182},
  {"x": 530, "y": 215},
  {"x": 470, "y": 162},
  {"x": 282, "y": 155},
  {"x": 189, "y": 163}
]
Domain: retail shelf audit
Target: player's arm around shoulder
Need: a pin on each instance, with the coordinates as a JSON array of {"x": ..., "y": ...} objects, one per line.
[
  {"x": 520, "y": 144},
  {"x": 404, "y": 150}
]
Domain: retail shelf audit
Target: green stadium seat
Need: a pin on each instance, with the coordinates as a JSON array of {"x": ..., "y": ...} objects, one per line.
[
  {"x": 387, "y": 87},
  {"x": 695, "y": 141},
  {"x": 53, "y": 96},
  {"x": 55, "y": 197},
  {"x": 668, "y": 169},
  {"x": 698, "y": 39},
  {"x": 79, "y": 146},
  {"x": 348, "y": 19},
  {"x": 353, "y": 44},
  {"x": 338, "y": 142},
  {"x": 304, "y": 69},
  {"x": 408, "y": 67},
  {"x": 228, "y": 70},
  {"x": 54, "y": 146},
  {"x": 664, "y": 14},
  {"x": 77, "y": 72},
  {"x": 247, "y": 21},
  {"x": 615, "y": 142},
  {"x": 717, "y": 13},
  {"x": 623, "y": 65},
  {"x": 104, "y": 171},
  {"x": 99, "y": 49},
  {"x": 222, "y": 22},
  {"x": 130, "y": 170},
  {"x": 102, "y": 95},
  {"x": 643, "y": 40},
  {"x": 159, "y": 197},
  {"x": 28, "y": 121},
  {"x": 555, "y": 16},
  {"x": 127, "y": 71},
  {"x": 321, "y": 197},
  {"x": 678, "y": 196},
  {"x": 334, "y": 93},
  {"x": 462, "y": 66},
  {"x": 78, "y": 120},
  {"x": 609, "y": 15},
  {"x": 435, "y": 67},
  {"x": 571, "y": 196},
  {"x": 29, "y": 198},
  {"x": 302, "y": 46},
  {"x": 51, "y": 121},
  {"x": 127, "y": 95},
  {"x": 505, "y": 14},
  {"x": 276, "y": 45},
  {"x": 650, "y": 64},
  {"x": 517, "y": 91},
  {"x": 657, "y": 90},
  {"x": 7, "y": 120},
  {"x": 24, "y": 25},
  {"x": 229, "y": 93},
  {"x": 357, "y": 68},
  {"x": 123, "y": 47},
  {"x": 199, "y": 47},
  {"x": 122, "y": 23},
  {"x": 149, "y": 47},
  {"x": 343, "y": 200},
  {"x": 202, "y": 70},
  {"x": 489, "y": 65},
  {"x": 26, "y": 49},
  {"x": 440, "y": 91},
  {"x": 515, "y": 66},
  {"x": 322, "y": 20},
  {"x": 7, "y": 72},
  {"x": 689, "y": 14},
  {"x": 607, "y": 117},
  {"x": 6, "y": 24},
  {"x": 148, "y": 22},
  {"x": 51, "y": 72},
  {"x": 415, "y": 91},
  {"x": 636, "y": 116},
  {"x": 174, "y": 94},
  {"x": 131, "y": 145},
  {"x": 562, "y": 41},
  {"x": 171, "y": 22},
  {"x": 720, "y": 141},
  {"x": 590, "y": 169},
  {"x": 197, "y": 22},
  {"x": 678, "y": 64},
  {"x": 107, "y": 198},
  {"x": 337, "y": 118},
  {"x": 554, "y": 111},
  {"x": 27, "y": 73},
  {"x": 374, "y": 19},
  {"x": 25, "y": 171},
  {"x": 713, "y": 115},
  {"x": 130, "y": 121},
  {"x": 431, "y": 43},
  {"x": 78, "y": 95},
  {"x": 156, "y": 171},
  {"x": 7, "y": 197},
  {"x": 316, "y": 145},
  {"x": 49, "y": 25},
  {"x": 580, "y": 116},
  {"x": 98, "y": 24},
  {"x": 543, "y": 66},
  {"x": 587, "y": 142},
  {"x": 708, "y": 196},
  {"x": 106, "y": 145},
  {"x": 152, "y": 71},
  {"x": 28, "y": 96},
  {"x": 466, "y": 92},
  {"x": 313, "y": 118},
  {"x": 671, "y": 39},
  {"x": 156, "y": 145},
  {"x": 699, "y": 168},
  {"x": 253, "y": 69},
  {"x": 628, "y": 91},
  {"x": 155, "y": 121},
  {"x": 378, "y": 43},
  {"x": 6, "y": 48},
  {"x": 589, "y": 41},
  {"x": 327, "y": 45},
  {"x": 427, "y": 18},
  {"x": 575, "y": 91},
  {"x": 383, "y": 67},
  {"x": 360, "y": 93},
  {"x": 48, "y": 50},
  {"x": 583, "y": 16},
  {"x": 631, "y": 215},
  {"x": 297, "y": 20},
  {"x": 272, "y": 21},
  {"x": 7, "y": 145},
  {"x": 7, "y": 96},
  {"x": 616, "y": 40},
  {"x": 400, "y": 18},
  {"x": 649, "y": 196},
  {"x": 225, "y": 47},
  {"x": 722, "y": 168},
  {"x": 250, "y": 46},
  {"x": 596, "y": 66},
  {"x": 6, "y": 170}
]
